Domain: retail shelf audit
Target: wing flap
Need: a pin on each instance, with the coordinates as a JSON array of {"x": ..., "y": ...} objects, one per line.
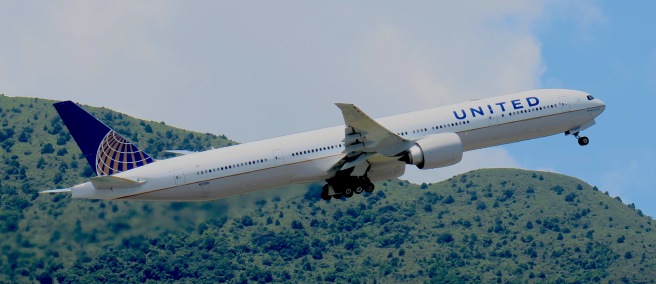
[
  {"x": 366, "y": 142},
  {"x": 359, "y": 160},
  {"x": 360, "y": 128}
]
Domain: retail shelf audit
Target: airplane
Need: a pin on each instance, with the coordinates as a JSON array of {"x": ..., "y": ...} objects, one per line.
[{"x": 347, "y": 158}]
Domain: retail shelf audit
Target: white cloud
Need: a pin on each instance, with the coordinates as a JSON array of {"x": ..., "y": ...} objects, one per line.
[
  {"x": 253, "y": 72},
  {"x": 464, "y": 54}
]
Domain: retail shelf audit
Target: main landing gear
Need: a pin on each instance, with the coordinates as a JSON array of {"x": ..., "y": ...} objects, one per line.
[{"x": 336, "y": 188}]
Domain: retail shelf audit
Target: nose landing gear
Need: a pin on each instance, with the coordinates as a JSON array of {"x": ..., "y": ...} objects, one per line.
[{"x": 581, "y": 139}]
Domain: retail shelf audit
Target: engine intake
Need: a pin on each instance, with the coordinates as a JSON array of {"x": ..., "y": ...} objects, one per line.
[{"x": 435, "y": 151}]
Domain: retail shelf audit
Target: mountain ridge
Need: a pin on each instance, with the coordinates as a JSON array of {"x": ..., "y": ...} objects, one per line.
[{"x": 487, "y": 225}]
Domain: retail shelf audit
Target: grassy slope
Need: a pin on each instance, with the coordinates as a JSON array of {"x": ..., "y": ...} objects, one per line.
[
  {"x": 37, "y": 226},
  {"x": 402, "y": 232}
]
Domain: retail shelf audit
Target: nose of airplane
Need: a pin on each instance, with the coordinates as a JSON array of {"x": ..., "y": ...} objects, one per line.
[{"x": 599, "y": 103}]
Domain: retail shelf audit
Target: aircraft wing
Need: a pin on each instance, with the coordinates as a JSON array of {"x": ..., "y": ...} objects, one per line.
[{"x": 365, "y": 138}]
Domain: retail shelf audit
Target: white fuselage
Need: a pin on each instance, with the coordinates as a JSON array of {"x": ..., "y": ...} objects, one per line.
[{"x": 309, "y": 156}]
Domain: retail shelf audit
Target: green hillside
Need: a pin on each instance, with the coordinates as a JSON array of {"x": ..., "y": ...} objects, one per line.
[{"x": 496, "y": 225}]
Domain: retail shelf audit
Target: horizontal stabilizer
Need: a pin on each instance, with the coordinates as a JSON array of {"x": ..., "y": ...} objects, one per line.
[
  {"x": 114, "y": 182},
  {"x": 60, "y": 190},
  {"x": 179, "y": 152}
]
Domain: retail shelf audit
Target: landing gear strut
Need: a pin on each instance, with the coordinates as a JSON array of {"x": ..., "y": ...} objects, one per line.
[{"x": 346, "y": 186}]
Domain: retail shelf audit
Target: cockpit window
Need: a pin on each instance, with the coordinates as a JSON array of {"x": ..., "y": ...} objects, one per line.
[{"x": 590, "y": 97}]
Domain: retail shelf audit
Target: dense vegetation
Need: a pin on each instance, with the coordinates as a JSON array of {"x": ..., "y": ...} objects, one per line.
[{"x": 484, "y": 226}]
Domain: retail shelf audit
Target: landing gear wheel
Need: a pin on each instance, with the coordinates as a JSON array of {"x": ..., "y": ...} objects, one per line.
[
  {"x": 348, "y": 192},
  {"x": 583, "y": 141},
  {"x": 369, "y": 187},
  {"x": 359, "y": 189}
]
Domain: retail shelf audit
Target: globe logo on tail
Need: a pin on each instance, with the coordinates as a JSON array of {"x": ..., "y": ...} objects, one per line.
[{"x": 116, "y": 154}]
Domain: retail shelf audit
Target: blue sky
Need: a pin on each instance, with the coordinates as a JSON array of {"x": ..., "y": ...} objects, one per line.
[
  {"x": 614, "y": 58},
  {"x": 257, "y": 70}
]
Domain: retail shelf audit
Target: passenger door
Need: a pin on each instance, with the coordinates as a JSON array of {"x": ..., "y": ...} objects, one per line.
[
  {"x": 178, "y": 177},
  {"x": 278, "y": 157}
]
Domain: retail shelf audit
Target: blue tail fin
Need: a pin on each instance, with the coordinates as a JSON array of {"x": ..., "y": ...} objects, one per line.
[{"x": 106, "y": 151}]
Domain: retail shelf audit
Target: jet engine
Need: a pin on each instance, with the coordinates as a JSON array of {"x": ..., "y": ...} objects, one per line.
[{"x": 435, "y": 151}]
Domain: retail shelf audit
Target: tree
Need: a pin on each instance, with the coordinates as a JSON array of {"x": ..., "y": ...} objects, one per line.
[
  {"x": 47, "y": 149},
  {"x": 40, "y": 164},
  {"x": 570, "y": 197},
  {"x": 529, "y": 225},
  {"x": 445, "y": 238},
  {"x": 247, "y": 221},
  {"x": 296, "y": 225}
]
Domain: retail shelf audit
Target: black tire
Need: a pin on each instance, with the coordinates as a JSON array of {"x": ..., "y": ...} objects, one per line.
[
  {"x": 584, "y": 141},
  {"x": 369, "y": 187},
  {"x": 348, "y": 192},
  {"x": 359, "y": 189}
]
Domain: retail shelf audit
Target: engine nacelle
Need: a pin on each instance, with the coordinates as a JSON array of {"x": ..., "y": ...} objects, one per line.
[{"x": 435, "y": 151}]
